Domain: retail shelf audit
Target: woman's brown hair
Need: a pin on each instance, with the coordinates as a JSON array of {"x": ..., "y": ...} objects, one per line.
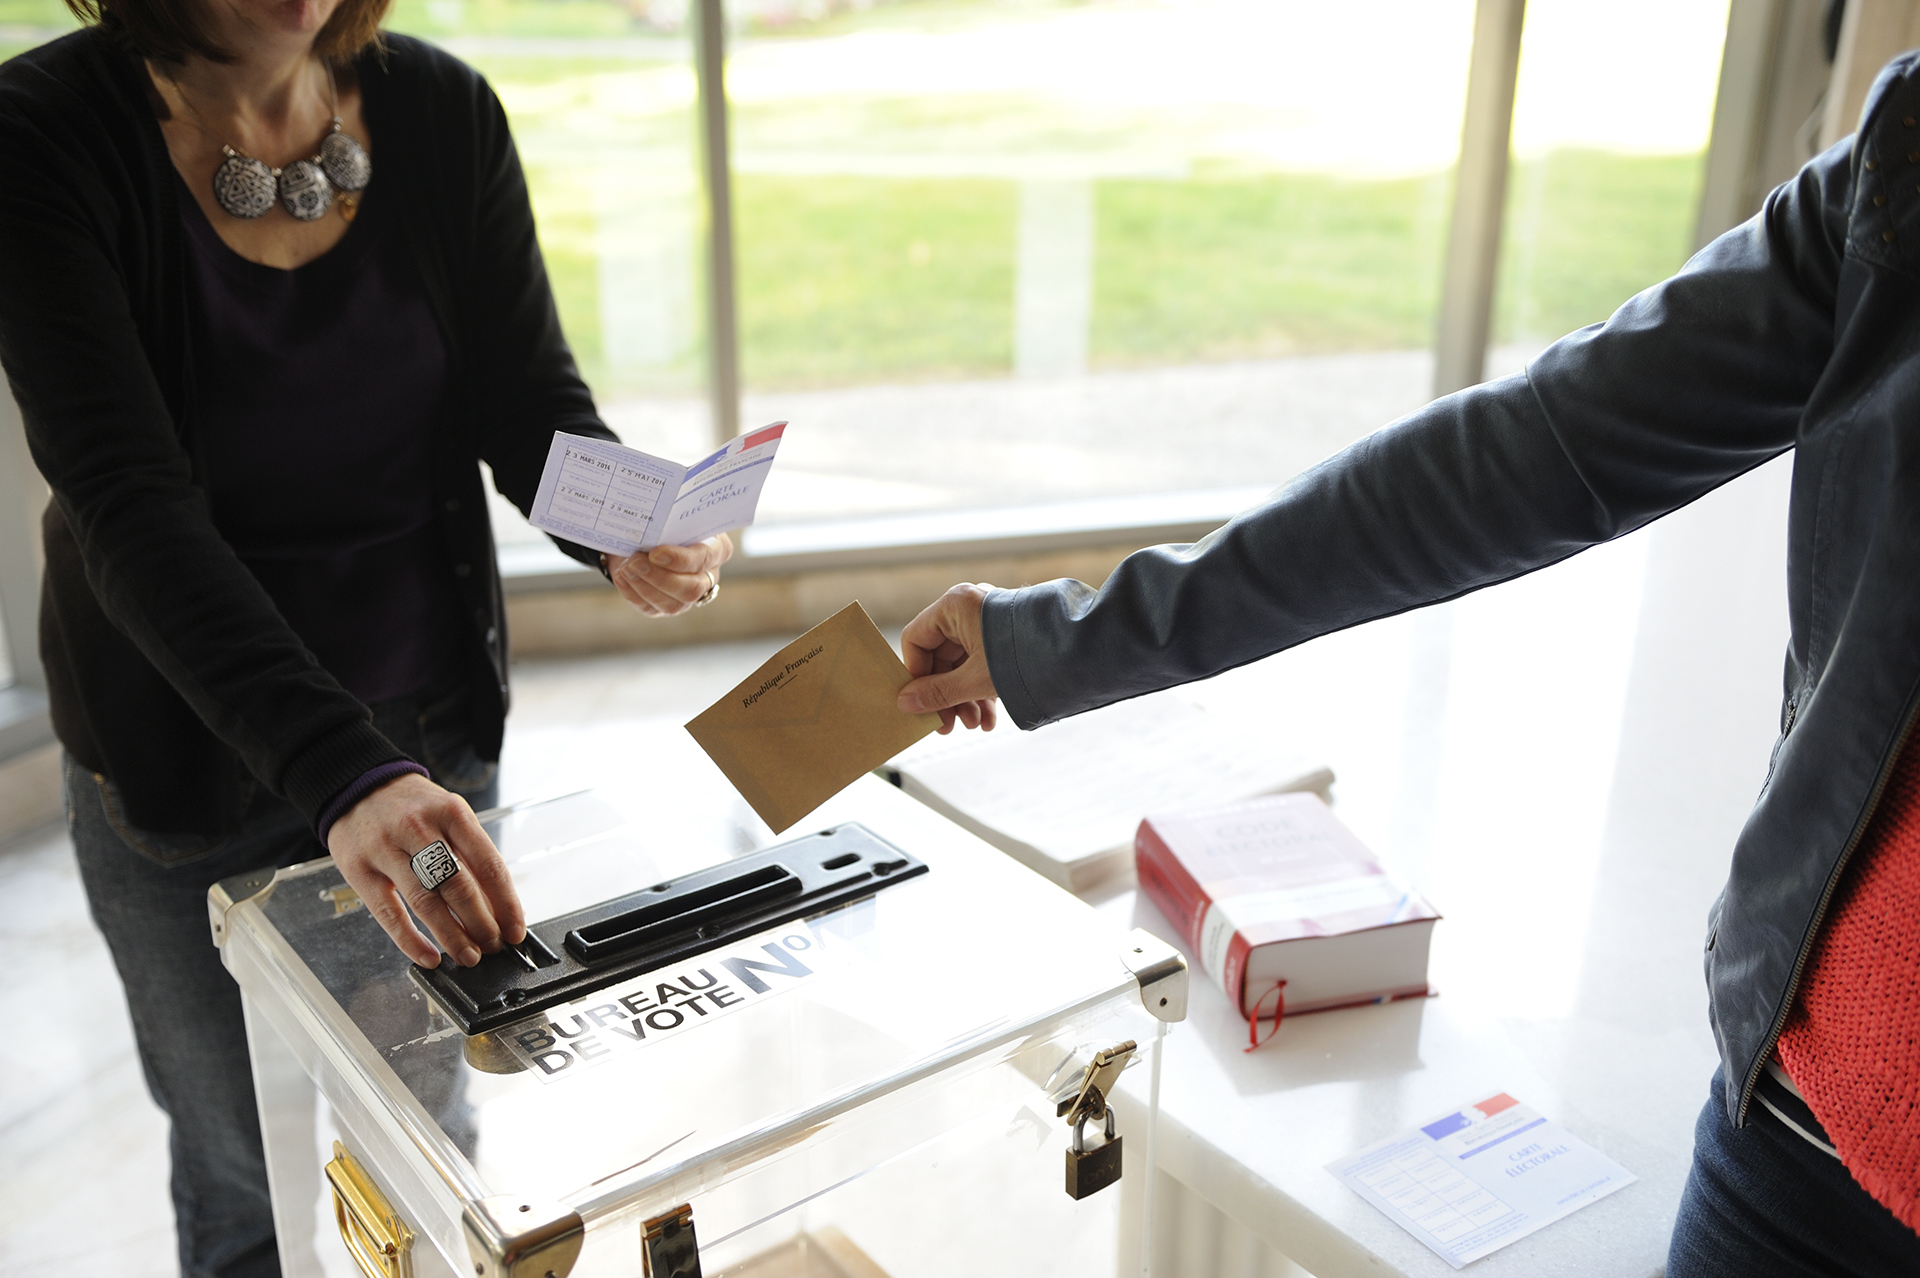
[{"x": 171, "y": 30}]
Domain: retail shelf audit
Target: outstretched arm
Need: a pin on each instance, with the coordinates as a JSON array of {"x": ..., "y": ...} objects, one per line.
[{"x": 1688, "y": 385}]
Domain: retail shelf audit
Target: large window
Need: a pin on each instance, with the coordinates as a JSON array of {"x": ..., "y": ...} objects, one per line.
[
  {"x": 1610, "y": 129},
  {"x": 1008, "y": 252},
  {"x": 602, "y": 101},
  {"x": 997, "y": 254}
]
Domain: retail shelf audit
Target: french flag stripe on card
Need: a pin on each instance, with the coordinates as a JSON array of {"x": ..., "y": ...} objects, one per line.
[{"x": 763, "y": 435}]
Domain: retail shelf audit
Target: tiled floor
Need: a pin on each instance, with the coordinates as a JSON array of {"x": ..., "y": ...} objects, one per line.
[{"x": 83, "y": 1186}]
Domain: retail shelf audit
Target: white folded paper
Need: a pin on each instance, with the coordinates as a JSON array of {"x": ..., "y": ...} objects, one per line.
[
  {"x": 1470, "y": 1182},
  {"x": 618, "y": 499}
]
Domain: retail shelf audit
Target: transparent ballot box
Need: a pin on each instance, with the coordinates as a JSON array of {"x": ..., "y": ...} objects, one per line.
[{"x": 876, "y": 1047}]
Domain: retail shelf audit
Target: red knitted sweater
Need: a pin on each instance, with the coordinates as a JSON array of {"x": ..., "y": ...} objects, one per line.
[{"x": 1852, "y": 1042}]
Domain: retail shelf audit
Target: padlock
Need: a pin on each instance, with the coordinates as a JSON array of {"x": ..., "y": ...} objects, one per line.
[{"x": 1091, "y": 1170}]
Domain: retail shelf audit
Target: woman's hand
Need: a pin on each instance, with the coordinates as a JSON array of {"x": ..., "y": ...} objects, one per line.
[
  {"x": 471, "y": 913},
  {"x": 668, "y": 580},
  {"x": 945, "y": 651}
]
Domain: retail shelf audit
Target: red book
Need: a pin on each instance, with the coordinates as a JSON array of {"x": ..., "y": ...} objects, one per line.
[{"x": 1283, "y": 907}]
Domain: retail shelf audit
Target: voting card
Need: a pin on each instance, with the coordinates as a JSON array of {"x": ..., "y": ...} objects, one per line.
[
  {"x": 619, "y": 499},
  {"x": 810, "y": 721},
  {"x": 1470, "y": 1182}
]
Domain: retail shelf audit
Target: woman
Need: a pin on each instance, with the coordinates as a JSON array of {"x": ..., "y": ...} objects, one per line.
[
  {"x": 269, "y": 290},
  {"x": 1798, "y": 330}
]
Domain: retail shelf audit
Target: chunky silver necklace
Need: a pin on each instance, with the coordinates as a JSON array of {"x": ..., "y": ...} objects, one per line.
[{"x": 247, "y": 187}]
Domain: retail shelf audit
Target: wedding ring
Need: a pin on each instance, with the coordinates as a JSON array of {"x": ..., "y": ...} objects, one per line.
[
  {"x": 434, "y": 864},
  {"x": 711, "y": 593}
]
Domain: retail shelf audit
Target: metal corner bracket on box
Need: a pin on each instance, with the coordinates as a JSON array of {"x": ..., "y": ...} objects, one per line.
[
  {"x": 1161, "y": 973},
  {"x": 511, "y": 1237},
  {"x": 229, "y": 892}
]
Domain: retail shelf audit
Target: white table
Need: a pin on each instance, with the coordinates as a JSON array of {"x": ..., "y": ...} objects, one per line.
[
  {"x": 1561, "y": 765},
  {"x": 1250, "y": 1133},
  {"x": 1582, "y": 744}
]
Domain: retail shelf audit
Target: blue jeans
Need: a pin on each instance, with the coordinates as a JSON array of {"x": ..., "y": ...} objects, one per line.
[
  {"x": 1761, "y": 1201},
  {"x": 148, "y": 894}
]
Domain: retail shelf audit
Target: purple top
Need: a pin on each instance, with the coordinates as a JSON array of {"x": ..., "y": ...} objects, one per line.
[{"x": 316, "y": 396}]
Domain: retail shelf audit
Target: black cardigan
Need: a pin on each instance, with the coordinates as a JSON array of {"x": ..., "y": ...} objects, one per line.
[{"x": 168, "y": 667}]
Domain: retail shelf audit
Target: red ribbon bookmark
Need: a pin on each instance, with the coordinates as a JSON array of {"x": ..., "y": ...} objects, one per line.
[{"x": 1279, "y": 993}]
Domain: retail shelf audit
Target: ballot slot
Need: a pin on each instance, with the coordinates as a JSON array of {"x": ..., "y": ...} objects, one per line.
[
  {"x": 692, "y": 911},
  {"x": 575, "y": 954}
]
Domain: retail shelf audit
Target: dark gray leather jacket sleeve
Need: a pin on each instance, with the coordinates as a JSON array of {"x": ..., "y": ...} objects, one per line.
[{"x": 1690, "y": 384}]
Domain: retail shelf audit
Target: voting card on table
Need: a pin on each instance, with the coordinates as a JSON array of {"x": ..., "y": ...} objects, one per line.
[
  {"x": 619, "y": 500},
  {"x": 1470, "y": 1182},
  {"x": 809, "y": 722}
]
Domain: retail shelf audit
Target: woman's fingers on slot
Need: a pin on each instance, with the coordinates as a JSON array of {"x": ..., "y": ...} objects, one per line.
[
  {"x": 467, "y": 898},
  {"x": 476, "y": 909},
  {"x": 458, "y": 912},
  {"x": 488, "y": 869},
  {"x": 383, "y": 902},
  {"x": 472, "y": 911},
  {"x": 431, "y": 909}
]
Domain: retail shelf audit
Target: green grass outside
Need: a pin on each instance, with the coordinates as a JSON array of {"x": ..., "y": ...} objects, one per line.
[
  {"x": 545, "y": 97},
  {"x": 437, "y": 19},
  {"x": 846, "y": 280},
  {"x": 842, "y": 17},
  {"x": 1585, "y": 231},
  {"x": 833, "y": 290},
  {"x": 36, "y": 13},
  {"x": 874, "y": 279},
  {"x": 564, "y": 222},
  {"x": 1263, "y": 265},
  {"x": 633, "y": 18}
]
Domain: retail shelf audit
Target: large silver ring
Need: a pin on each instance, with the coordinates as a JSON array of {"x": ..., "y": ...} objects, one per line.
[
  {"x": 711, "y": 593},
  {"x": 434, "y": 864}
]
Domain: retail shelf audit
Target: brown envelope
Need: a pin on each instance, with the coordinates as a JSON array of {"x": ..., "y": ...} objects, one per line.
[{"x": 806, "y": 724}]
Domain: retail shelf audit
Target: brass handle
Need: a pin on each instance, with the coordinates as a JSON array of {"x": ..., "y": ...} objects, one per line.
[{"x": 377, "y": 1239}]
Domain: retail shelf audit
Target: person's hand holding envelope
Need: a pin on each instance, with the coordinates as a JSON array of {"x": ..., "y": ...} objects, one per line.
[{"x": 812, "y": 719}]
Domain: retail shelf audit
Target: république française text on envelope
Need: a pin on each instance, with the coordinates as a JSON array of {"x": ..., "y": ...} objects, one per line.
[{"x": 805, "y": 725}]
